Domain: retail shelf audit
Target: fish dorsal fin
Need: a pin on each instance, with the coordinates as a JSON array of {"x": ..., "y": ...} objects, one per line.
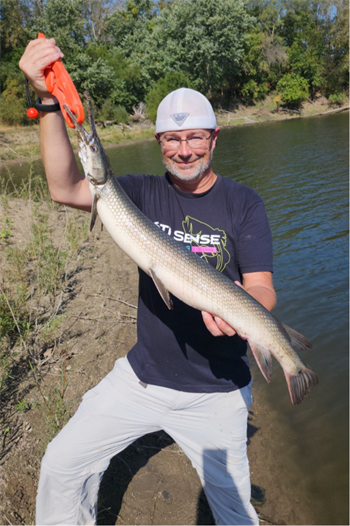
[
  {"x": 263, "y": 358},
  {"x": 297, "y": 340},
  {"x": 161, "y": 289},
  {"x": 93, "y": 211}
]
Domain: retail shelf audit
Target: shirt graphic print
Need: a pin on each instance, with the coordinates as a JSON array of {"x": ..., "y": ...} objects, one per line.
[{"x": 204, "y": 240}]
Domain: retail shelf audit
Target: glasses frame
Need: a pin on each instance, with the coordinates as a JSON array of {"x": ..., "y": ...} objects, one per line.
[{"x": 179, "y": 141}]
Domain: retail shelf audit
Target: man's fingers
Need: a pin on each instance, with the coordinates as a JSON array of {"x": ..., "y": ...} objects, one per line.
[
  {"x": 224, "y": 327},
  {"x": 39, "y": 54},
  {"x": 217, "y": 326},
  {"x": 211, "y": 325}
]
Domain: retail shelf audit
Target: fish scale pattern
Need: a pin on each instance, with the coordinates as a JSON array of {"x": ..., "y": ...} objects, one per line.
[{"x": 196, "y": 274}]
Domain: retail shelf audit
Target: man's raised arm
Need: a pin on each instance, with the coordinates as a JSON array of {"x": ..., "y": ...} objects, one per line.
[{"x": 67, "y": 186}]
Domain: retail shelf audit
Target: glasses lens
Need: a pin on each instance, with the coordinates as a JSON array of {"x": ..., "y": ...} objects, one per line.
[
  {"x": 199, "y": 141},
  {"x": 173, "y": 143}
]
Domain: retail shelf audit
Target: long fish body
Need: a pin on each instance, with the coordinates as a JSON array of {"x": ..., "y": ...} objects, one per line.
[{"x": 174, "y": 269}]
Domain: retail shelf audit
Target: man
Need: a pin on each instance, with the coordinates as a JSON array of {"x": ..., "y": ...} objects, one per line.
[{"x": 184, "y": 376}]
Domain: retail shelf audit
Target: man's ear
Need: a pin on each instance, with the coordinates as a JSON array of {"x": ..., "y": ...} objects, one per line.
[{"x": 215, "y": 136}]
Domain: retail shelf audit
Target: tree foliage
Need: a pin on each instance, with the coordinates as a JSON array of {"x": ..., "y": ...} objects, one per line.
[
  {"x": 127, "y": 51},
  {"x": 293, "y": 89}
]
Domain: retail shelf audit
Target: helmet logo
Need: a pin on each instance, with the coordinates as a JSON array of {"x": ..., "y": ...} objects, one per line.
[{"x": 179, "y": 118}]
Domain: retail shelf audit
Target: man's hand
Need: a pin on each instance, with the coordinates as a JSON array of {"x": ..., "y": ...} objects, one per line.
[
  {"x": 67, "y": 186},
  {"x": 217, "y": 326},
  {"x": 39, "y": 54},
  {"x": 260, "y": 286}
]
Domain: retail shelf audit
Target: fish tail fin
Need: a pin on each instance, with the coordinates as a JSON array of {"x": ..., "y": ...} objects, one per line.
[{"x": 300, "y": 384}]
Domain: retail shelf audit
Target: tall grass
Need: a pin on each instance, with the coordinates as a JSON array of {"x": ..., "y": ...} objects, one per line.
[{"x": 35, "y": 274}]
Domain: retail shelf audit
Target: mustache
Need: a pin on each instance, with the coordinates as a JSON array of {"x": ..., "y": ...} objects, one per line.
[{"x": 181, "y": 160}]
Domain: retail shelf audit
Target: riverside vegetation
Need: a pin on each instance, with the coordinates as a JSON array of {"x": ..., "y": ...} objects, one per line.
[
  {"x": 130, "y": 52},
  {"x": 37, "y": 269}
]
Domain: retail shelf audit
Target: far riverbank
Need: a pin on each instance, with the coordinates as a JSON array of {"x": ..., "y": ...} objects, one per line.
[{"x": 20, "y": 144}]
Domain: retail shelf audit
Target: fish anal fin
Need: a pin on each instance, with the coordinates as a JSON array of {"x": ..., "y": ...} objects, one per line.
[
  {"x": 300, "y": 384},
  {"x": 94, "y": 214},
  {"x": 161, "y": 289},
  {"x": 297, "y": 340},
  {"x": 263, "y": 358}
]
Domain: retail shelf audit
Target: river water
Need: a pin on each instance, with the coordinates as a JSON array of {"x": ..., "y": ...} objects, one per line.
[{"x": 300, "y": 168}]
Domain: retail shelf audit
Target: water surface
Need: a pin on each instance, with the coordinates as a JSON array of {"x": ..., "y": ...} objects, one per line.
[{"x": 300, "y": 168}]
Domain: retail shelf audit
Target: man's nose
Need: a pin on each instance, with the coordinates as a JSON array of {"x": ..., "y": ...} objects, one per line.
[{"x": 184, "y": 150}]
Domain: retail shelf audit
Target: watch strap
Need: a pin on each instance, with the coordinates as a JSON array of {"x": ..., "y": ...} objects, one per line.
[{"x": 46, "y": 107}]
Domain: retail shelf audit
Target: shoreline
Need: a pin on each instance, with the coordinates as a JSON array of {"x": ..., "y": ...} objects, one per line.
[{"x": 117, "y": 136}]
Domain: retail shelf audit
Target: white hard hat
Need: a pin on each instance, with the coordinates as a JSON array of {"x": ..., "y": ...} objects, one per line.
[{"x": 185, "y": 109}]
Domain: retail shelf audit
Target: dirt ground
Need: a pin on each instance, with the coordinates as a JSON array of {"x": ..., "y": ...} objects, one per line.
[{"x": 152, "y": 482}]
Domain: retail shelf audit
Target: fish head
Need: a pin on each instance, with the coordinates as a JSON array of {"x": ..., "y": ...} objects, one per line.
[{"x": 91, "y": 153}]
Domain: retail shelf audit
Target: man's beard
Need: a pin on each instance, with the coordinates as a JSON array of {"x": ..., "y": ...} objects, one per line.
[{"x": 180, "y": 173}]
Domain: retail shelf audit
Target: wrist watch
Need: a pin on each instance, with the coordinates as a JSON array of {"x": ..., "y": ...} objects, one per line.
[{"x": 46, "y": 107}]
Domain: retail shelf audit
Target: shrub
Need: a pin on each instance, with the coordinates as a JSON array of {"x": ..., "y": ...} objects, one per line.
[
  {"x": 13, "y": 109},
  {"x": 121, "y": 115},
  {"x": 252, "y": 91},
  {"x": 113, "y": 112},
  {"x": 293, "y": 89},
  {"x": 337, "y": 99}
]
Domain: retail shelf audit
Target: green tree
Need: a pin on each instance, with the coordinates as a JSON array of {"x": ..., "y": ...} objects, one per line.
[
  {"x": 16, "y": 17},
  {"x": 64, "y": 21},
  {"x": 95, "y": 77},
  {"x": 95, "y": 13},
  {"x": 201, "y": 38},
  {"x": 127, "y": 87},
  {"x": 263, "y": 64},
  {"x": 305, "y": 38},
  {"x": 204, "y": 39},
  {"x": 337, "y": 59}
]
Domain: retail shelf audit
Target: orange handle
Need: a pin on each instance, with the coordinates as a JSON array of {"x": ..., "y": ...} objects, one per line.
[{"x": 60, "y": 84}]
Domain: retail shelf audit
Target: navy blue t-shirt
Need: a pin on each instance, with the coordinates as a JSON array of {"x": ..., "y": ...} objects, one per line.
[{"x": 228, "y": 227}]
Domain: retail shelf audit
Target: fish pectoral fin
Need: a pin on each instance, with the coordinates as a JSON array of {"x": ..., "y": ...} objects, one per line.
[
  {"x": 297, "y": 340},
  {"x": 93, "y": 211},
  {"x": 263, "y": 358},
  {"x": 161, "y": 289}
]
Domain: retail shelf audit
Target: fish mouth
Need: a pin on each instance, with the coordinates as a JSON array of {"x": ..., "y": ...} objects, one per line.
[{"x": 84, "y": 136}]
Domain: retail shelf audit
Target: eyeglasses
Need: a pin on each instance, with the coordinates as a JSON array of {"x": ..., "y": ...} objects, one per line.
[{"x": 197, "y": 141}]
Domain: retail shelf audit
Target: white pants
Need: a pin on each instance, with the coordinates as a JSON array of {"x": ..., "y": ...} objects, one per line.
[{"x": 210, "y": 428}]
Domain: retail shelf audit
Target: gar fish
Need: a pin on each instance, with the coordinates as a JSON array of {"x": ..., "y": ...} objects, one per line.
[{"x": 176, "y": 270}]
